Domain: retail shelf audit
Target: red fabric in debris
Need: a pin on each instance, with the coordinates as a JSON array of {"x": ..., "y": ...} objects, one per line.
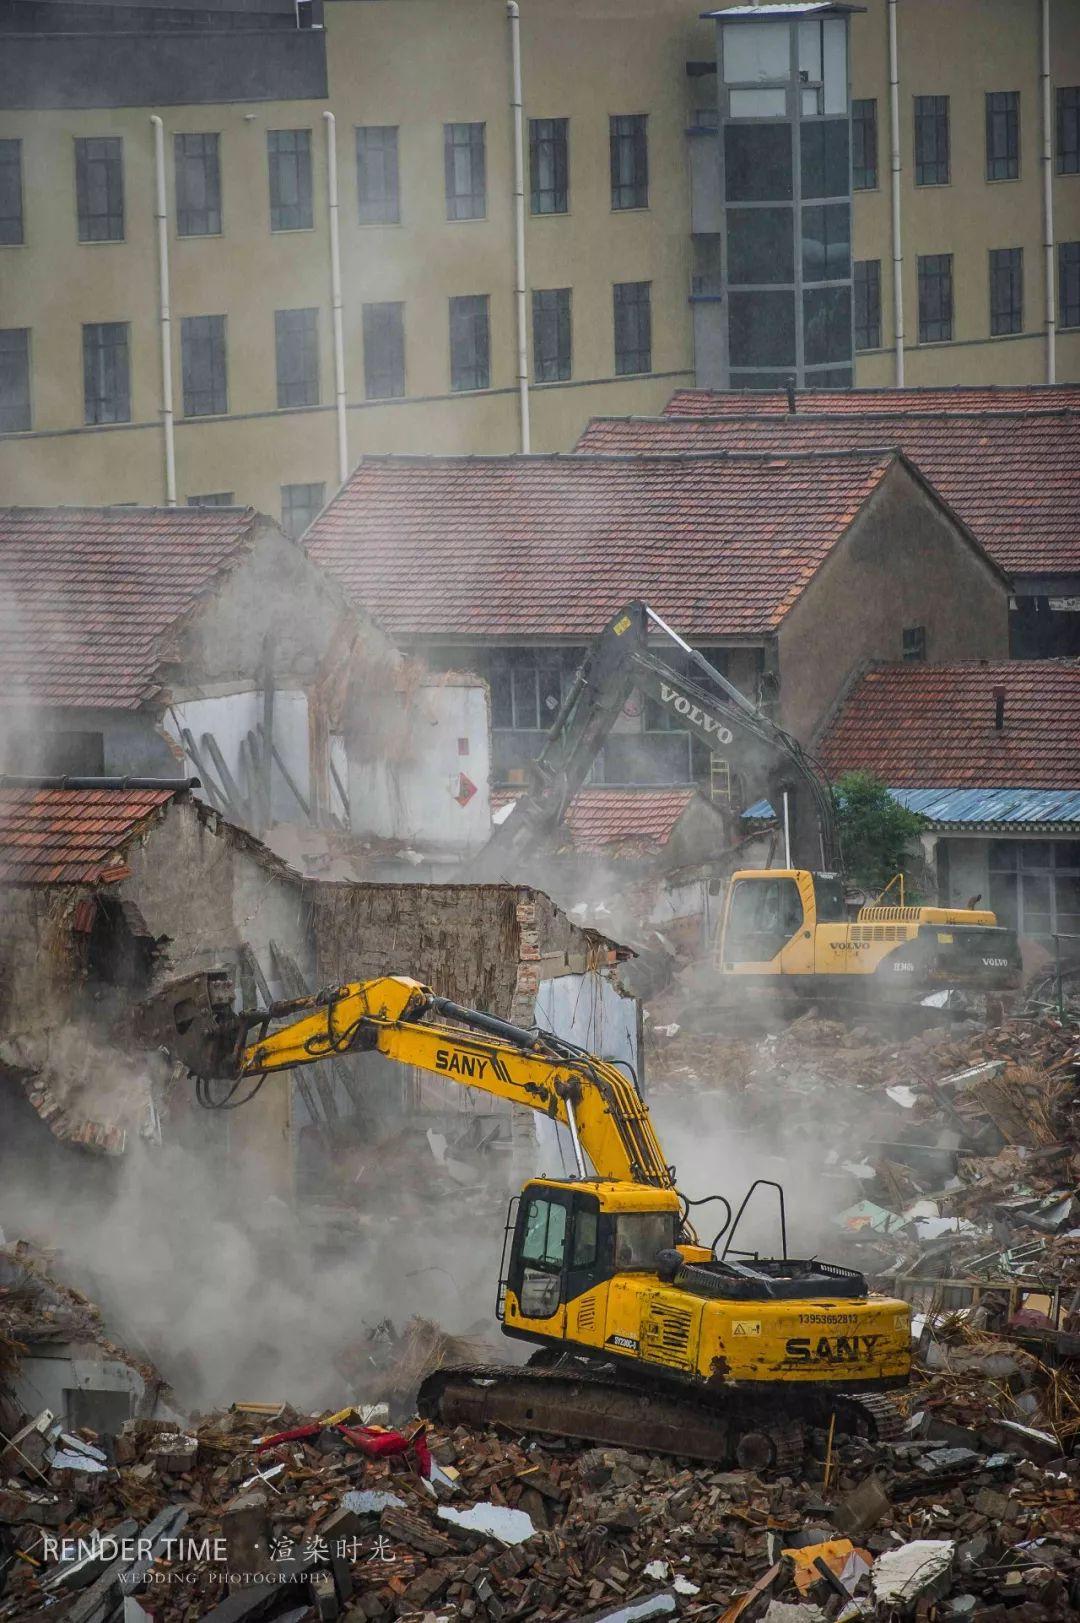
[
  {"x": 298, "y": 1434},
  {"x": 380, "y": 1445}
]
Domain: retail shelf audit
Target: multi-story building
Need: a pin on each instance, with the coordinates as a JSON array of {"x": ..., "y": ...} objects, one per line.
[{"x": 413, "y": 295}]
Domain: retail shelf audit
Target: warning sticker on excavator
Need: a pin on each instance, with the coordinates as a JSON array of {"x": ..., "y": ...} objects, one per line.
[{"x": 746, "y": 1327}]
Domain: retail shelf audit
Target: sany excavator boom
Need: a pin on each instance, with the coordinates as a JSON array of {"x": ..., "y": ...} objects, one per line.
[
  {"x": 646, "y": 1335},
  {"x": 783, "y": 927}
]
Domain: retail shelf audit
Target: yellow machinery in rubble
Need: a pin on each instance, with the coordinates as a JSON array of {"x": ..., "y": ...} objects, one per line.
[
  {"x": 786, "y": 928},
  {"x": 645, "y": 1334}
]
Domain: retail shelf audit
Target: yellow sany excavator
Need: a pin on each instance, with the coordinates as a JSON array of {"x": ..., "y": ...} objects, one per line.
[{"x": 646, "y": 1335}]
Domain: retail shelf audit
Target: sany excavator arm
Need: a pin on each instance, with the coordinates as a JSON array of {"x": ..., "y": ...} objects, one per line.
[
  {"x": 608, "y": 1121},
  {"x": 707, "y": 705}
]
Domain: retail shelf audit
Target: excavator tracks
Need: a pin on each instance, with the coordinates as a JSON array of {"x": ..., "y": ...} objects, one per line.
[{"x": 573, "y": 1398}]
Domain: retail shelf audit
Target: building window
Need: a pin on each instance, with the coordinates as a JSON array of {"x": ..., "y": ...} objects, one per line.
[
  {"x": 549, "y": 164},
  {"x": 1068, "y": 130},
  {"x": 1006, "y": 290},
  {"x": 931, "y": 140},
  {"x": 15, "y": 413},
  {"x": 470, "y": 366},
  {"x": 629, "y": 161},
  {"x": 202, "y": 358},
  {"x": 1069, "y": 284},
  {"x": 826, "y": 326},
  {"x": 864, "y": 177},
  {"x": 551, "y": 334},
  {"x": 11, "y": 192},
  {"x": 1035, "y": 885},
  {"x": 99, "y": 188},
  {"x": 214, "y": 498},
  {"x": 935, "y": 298},
  {"x": 296, "y": 343},
  {"x": 198, "y": 185},
  {"x": 527, "y": 687},
  {"x": 826, "y": 242},
  {"x": 377, "y": 174},
  {"x": 465, "y": 164},
  {"x": 913, "y": 646},
  {"x": 1002, "y": 134},
  {"x": 633, "y": 327},
  {"x": 757, "y": 163},
  {"x": 384, "y": 351},
  {"x": 106, "y": 373},
  {"x": 868, "y": 304},
  {"x": 300, "y": 506},
  {"x": 291, "y": 204}
]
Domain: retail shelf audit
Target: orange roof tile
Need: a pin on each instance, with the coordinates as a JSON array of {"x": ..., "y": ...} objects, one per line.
[
  {"x": 932, "y": 726},
  {"x": 71, "y": 836},
  {"x": 1012, "y": 477},
  {"x": 87, "y": 594},
  {"x": 551, "y": 545},
  {"x": 599, "y": 817}
]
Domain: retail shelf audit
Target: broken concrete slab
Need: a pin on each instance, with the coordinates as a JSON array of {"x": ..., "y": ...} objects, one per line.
[{"x": 918, "y": 1571}]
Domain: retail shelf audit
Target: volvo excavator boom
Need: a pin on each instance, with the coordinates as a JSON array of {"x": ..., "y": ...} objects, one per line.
[{"x": 765, "y": 759}]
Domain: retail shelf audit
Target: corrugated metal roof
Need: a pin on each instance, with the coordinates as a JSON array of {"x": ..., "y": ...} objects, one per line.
[
  {"x": 796, "y": 8},
  {"x": 993, "y": 805},
  {"x": 979, "y": 808}
]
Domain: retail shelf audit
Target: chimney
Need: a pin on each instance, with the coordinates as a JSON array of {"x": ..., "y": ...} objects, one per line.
[
  {"x": 791, "y": 396},
  {"x": 999, "y": 706}
]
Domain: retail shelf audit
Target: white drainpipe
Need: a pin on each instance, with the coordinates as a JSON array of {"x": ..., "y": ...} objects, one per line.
[
  {"x": 517, "y": 121},
  {"x": 1048, "y": 199},
  {"x": 335, "y": 298},
  {"x": 161, "y": 216},
  {"x": 897, "y": 238}
]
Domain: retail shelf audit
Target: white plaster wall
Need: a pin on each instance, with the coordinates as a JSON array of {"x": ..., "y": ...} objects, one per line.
[
  {"x": 416, "y": 800},
  {"x": 587, "y": 1010},
  {"x": 230, "y": 717}
]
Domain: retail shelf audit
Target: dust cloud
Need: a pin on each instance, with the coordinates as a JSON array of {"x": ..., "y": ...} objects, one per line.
[{"x": 229, "y": 1291}]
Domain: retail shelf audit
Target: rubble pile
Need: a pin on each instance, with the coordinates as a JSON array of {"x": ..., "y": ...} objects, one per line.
[
  {"x": 957, "y": 1189},
  {"x": 338, "y": 1517},
  {"x": 951, "y": 1158},
  {"x": 36, "y": 1308}
]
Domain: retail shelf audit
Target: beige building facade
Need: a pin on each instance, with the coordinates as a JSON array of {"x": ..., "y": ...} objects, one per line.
[{"x": 429, "y": 315}]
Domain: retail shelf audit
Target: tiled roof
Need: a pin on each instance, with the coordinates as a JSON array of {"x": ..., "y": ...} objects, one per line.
[
  {"x": 599, "y": 818},
  {"x": 554, "y": 544},
  {"x": 71, "y": 836},
  {"x": 1013, "y": 478},
  {"x": 87, "y": 593},
  {"x": 961, "y": 397},
  {"x": 932, "y": 726}
]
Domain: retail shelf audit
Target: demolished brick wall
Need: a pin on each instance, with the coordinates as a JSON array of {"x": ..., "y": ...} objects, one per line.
[{"x": 487, "y": 946}]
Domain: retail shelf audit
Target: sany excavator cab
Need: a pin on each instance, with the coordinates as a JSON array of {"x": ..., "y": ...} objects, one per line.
[{"x": 792, "y": 923}]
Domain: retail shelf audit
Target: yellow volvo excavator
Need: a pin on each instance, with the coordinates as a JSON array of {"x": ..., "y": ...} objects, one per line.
[
  {"x": 646, "y": 1335},
  {"x": 785, "y": 927}
]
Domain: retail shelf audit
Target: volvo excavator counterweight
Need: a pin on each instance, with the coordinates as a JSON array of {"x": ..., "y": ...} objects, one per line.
[
  {"x": 785, "y": 927},
  {"x": 645, "y": 1335}
]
